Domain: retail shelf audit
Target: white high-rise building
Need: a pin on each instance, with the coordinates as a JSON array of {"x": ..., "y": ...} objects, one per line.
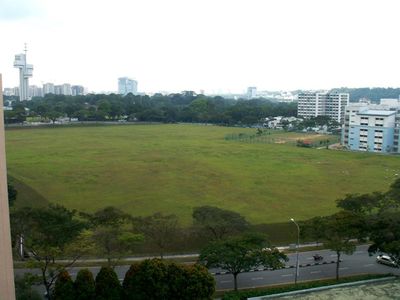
[
  {"x": 66, "y": 89},
  {"x": 48, "y": 88},
  {"x": 35, "y": 91},
  {"x": 251, "y": 92},
  {"x": 127, "y": 85},
  {"x": 25, "y": 71},
  {"x": 313, "y": 104}
]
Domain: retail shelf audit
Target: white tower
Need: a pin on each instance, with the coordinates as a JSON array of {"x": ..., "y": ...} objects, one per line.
[{"x": 25, "y": 71}]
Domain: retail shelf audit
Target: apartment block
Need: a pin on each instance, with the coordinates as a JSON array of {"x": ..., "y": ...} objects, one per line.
[
  {"x": 313, "y": 104},
  {"x": 369, "y": 127}
]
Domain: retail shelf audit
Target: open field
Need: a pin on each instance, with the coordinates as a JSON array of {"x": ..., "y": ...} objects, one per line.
[{"x": 173, "y": 168}]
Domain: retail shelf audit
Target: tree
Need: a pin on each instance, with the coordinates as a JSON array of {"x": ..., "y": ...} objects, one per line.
[
  {"x": 12, "y": 194},
  {"x": 339, "y": 231},
  {"x": 111, "y": 234},
  {"x": 84, "y": 285},
  {"x": 107, "y": 285},
  {"x": 217, "y": 222},
  {"x": 49, "y": 233},
  {"x": 64, "y": 287},
  {"x": 313, "y": 228},
  {"x": 240, "y": 254},
  {"x": 200, "y": 283},
  {"x": 159, "y": 228}
]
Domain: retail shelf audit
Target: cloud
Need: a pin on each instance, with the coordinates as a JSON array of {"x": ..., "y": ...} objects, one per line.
[{"x": 11, "y": 10}]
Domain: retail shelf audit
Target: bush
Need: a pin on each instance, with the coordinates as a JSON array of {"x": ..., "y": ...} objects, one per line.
[
  {"x": 107, "y": 285},
  {"x": 64, "y": 287},
  {"x": 84, "y": 285},
  {"x": 157, "y": 279},
  {"x": 146, "y": 280},
  {"x": 23, "y": 287}
]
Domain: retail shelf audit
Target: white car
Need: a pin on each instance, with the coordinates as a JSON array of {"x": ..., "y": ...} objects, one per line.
[{"x": 386, "y": 260}]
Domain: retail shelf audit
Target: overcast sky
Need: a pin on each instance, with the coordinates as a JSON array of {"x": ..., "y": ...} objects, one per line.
[{"x": 215, "y": 45}]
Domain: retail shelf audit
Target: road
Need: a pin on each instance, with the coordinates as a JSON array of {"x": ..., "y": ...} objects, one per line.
[{"x": 358, "y": 263}]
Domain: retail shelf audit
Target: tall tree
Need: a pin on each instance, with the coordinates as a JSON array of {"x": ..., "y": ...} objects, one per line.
[
  {"x": 107, "y": 285},
  {"x": 111, "y": 233},
  {"x": 49, "y": 233},
  {"x": 240, "y": 254},
  {"x": 218, "y": 223},
  {"x": 160, "y": 229}
]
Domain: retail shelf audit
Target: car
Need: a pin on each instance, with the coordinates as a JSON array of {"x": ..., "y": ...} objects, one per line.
[{"x": 386, "y": 260}]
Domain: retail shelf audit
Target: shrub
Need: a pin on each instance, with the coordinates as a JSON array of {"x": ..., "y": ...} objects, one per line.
[
  {"x": 64, "y": 287},
  {"x": 157, "y": 279},
  {"x": 84, "y": 285},
  {"x": 107, "y": 285},
  {"x": 23, "y": 287},
  {"x": 146, "y": 280}
]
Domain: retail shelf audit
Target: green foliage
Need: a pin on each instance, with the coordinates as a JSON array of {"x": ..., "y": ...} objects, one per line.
[
  {"x": 84, "y": 285},
  {"x": 47, "y": 233},
  {"x": 147, "y": 280},
  {"x": 64, "y": 287},
  {"x": 240, "y": 254},
  {"x": 157, "y": 279},
  {"x": 12, "y": 194},
  {"x": 218, "y": 223},
  {"x": 23, "y": 287},
  {"x": 239, "y": 295},
  {"x": 107, "y": 285},
  {"x": 159, "y": 228},
  {"x": 110, "y": 234}
]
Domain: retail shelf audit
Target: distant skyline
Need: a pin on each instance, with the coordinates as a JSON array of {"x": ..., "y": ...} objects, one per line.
[{"x": 215, "y": 46}]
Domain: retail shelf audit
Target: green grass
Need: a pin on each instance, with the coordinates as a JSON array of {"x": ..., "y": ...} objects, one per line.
[{"x": 172, "y": 168}]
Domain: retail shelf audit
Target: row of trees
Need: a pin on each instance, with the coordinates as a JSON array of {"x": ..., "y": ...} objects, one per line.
[
  {"x": 158, "y": 108},
  {"x": 49, "y": 234},
  {"x": 374, "y": 216},
  {"x": 150, "y": 279}
]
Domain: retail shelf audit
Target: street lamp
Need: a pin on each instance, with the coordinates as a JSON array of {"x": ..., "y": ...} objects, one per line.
[{"x": 297, "y": 250}]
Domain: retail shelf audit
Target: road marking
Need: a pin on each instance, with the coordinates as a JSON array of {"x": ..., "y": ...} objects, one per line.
[
  {"x": 368, "y": 265},
  {"x": 315, "y": 272},
  {"x": 344, "y": 268},
  {"x": 360, "y": 252},
  {"x": 310, "y": 258},
  {"x": 286, "y": 275},
  {"x": 333, "y": 255},
  {"x": 257, "y": 278},
  {"x": 226, "y": 281}
]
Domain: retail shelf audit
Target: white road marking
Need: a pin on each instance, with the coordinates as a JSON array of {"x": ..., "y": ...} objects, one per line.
[
  {"x": 257, "y": 278},
  {"x": 344, "y": 268},
  {"x": 310, "y": 258},
  {"x": 315, "y": 272},
  {"x": 333, "y": 255},
  {"x": 286, "y": 275},
  {"x": 360, "y": 252},
  {"x": 368, "y": 265},
  {"x": 226, "y": 281}
]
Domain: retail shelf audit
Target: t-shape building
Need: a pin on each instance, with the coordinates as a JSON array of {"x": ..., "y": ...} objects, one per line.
[{"x": 25, "y": 71}]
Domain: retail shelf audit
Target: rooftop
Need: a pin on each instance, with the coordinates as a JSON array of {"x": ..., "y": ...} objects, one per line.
[{"x": 374, "y": 112}]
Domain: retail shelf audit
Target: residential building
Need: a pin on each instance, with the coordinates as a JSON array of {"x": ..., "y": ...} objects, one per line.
[
  {"x": 58, "y": 90},
  {"x": 35, "y": 91},
  {"x": 48, "y": 88},
  {"x": 372, "y": 127},
  {"x": 313, "y": 104},
  {"x": 251, "y": 92},
  {"x": 127, "y": 85},
  {"x": 77, "y": 90}
]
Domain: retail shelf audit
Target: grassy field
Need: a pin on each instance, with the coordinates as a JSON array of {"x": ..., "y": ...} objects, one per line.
[{"x": 172, "y": 168}]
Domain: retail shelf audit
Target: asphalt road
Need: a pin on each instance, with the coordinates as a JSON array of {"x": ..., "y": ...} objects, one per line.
[{"x": 358, "y": 263}]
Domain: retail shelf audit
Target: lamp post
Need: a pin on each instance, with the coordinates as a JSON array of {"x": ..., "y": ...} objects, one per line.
[{"x": 297, "y": 250}]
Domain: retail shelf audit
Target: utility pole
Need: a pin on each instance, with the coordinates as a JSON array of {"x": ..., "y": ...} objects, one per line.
[{"x": 7, "y": 289}]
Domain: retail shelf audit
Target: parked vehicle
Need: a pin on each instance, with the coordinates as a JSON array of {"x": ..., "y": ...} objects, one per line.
[{"x": 386, "y": 260}]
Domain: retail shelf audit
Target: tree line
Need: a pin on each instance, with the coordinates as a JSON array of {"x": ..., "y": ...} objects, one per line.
[{"x": 157, "y": 108}]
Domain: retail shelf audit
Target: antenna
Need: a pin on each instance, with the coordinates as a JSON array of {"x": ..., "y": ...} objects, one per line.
[{"x": 26, "y": 49}]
